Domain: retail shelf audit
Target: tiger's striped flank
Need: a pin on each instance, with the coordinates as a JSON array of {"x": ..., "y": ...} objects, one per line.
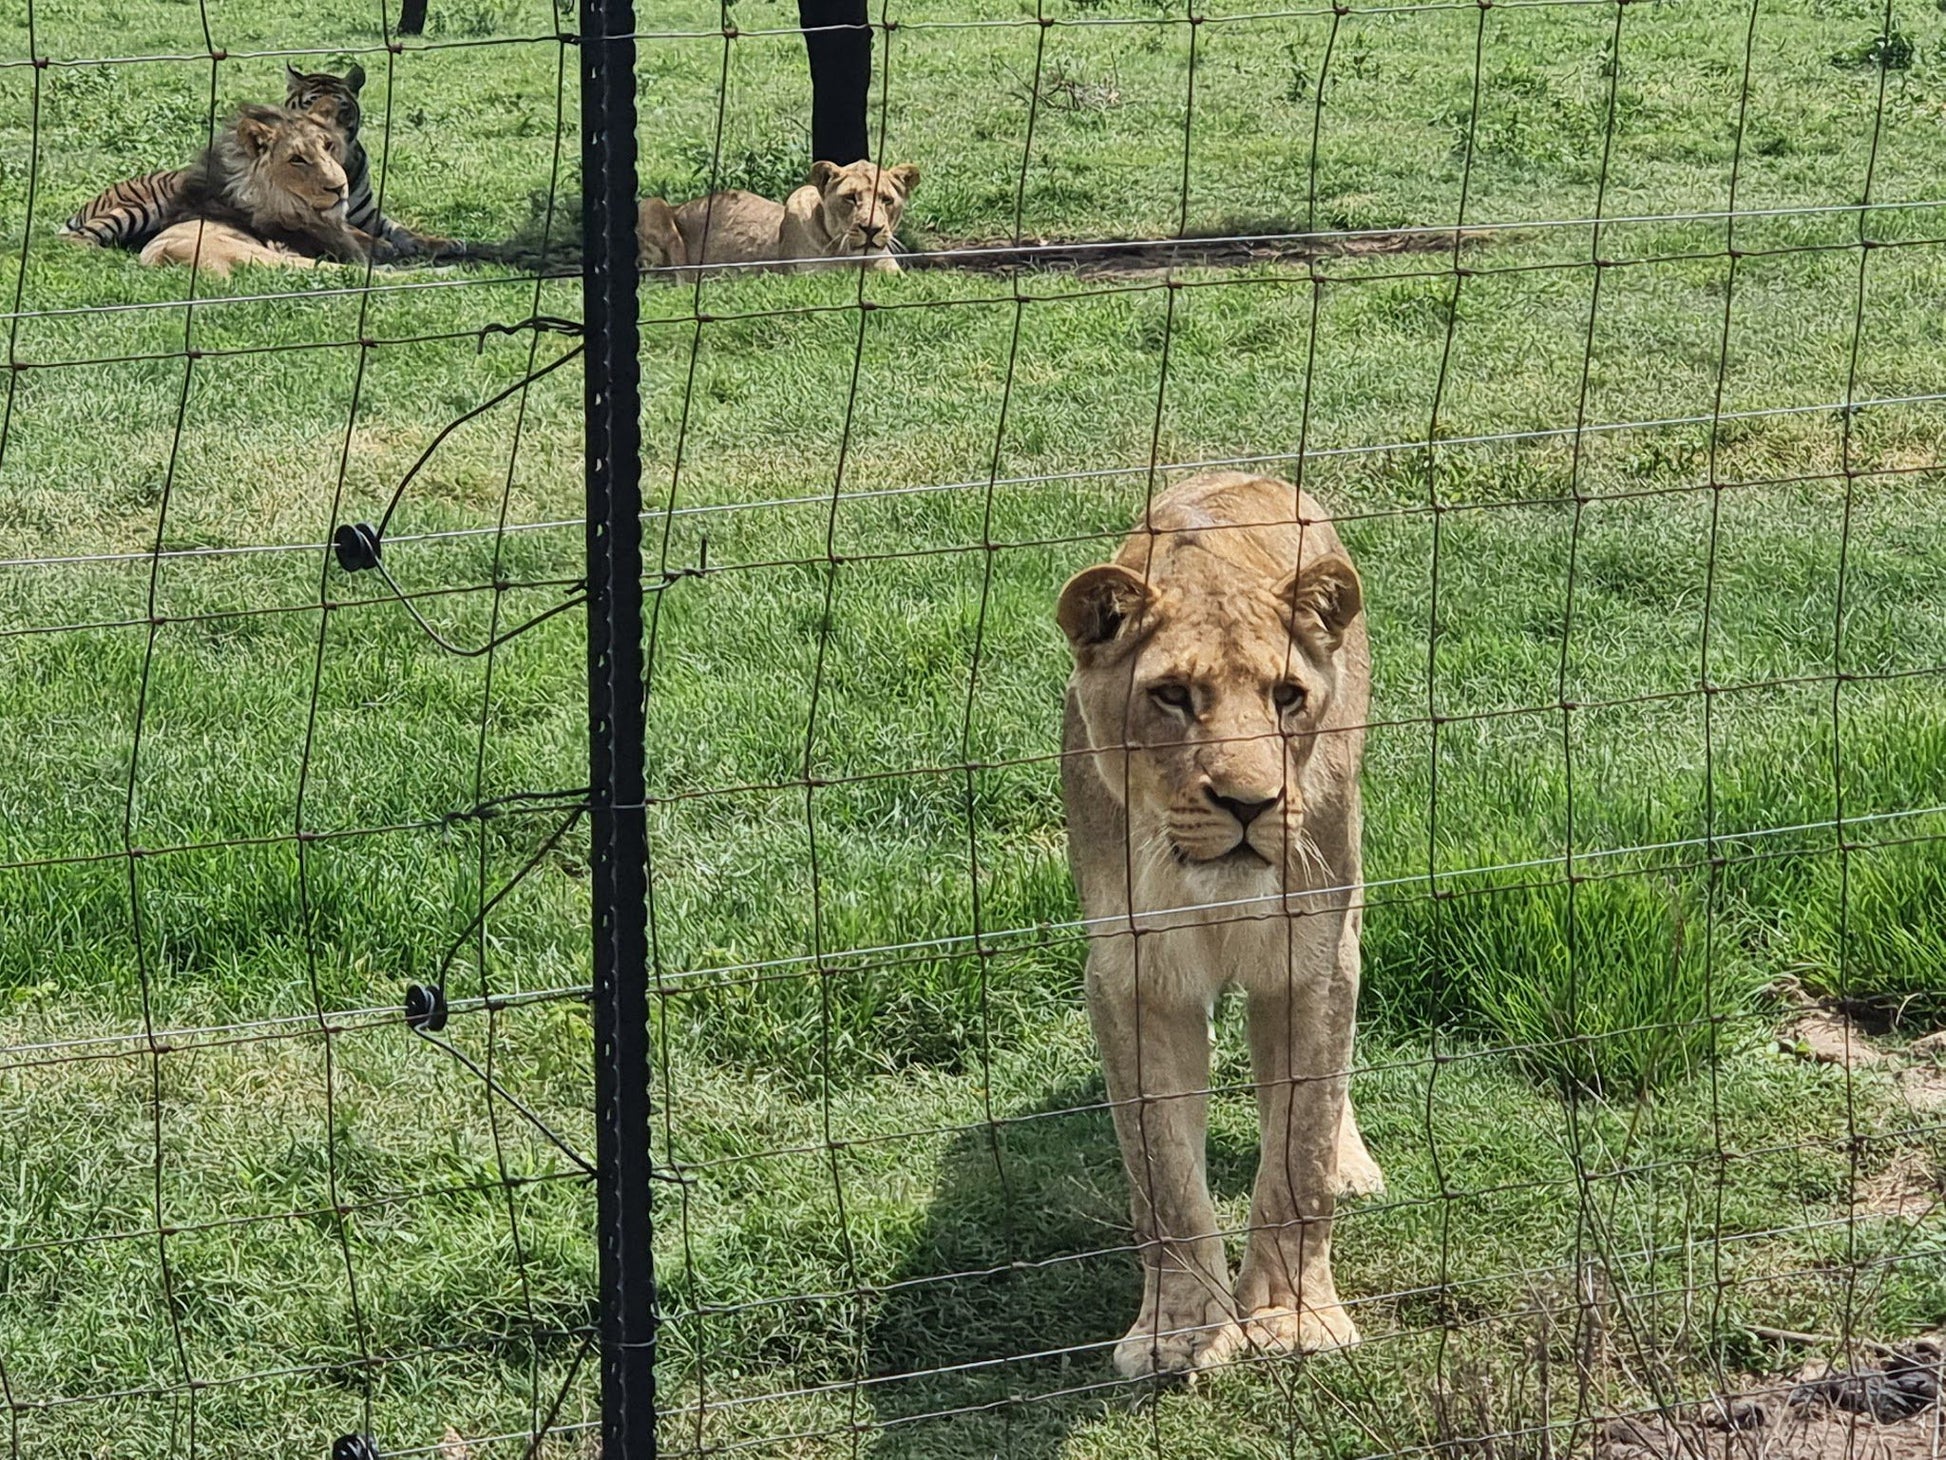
[{"x": 128, "y": 214}]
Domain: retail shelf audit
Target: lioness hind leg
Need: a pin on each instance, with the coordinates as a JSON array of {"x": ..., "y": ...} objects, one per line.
[
  {"x": 658, "y": 242},
  {"x": 1300, "y": 1046},
  {"x": 1186, "y": 1322},
  {"x": 1358, "y": 1173},
  {"x": 215, "y": 248}
]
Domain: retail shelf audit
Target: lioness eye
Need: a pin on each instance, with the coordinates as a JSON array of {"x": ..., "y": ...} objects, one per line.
[
  {"x": 1288, "y": 696},
  {"x": 299, "y": 162},
  {"x": 1174, "y": 696}
]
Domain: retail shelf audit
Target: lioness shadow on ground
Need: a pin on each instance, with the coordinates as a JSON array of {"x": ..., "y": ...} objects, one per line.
[{"x": 994, "y": 1336}]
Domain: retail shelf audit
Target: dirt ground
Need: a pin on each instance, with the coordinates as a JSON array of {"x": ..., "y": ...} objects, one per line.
[
  {"x": 1887, "y": 1403},
  {"x": 1134, "y": 257},
  {"x": 1887, "y": 1407}
]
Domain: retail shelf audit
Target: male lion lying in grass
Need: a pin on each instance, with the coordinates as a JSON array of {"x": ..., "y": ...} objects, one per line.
[
  {"x": 1215, "y": 721},
  {"x": 844, "y": 215},
  {"x": 270, "y": 189}
]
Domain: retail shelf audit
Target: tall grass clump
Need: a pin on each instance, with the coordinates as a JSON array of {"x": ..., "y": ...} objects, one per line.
[
  {"x": 1616, "y": 997},
  {"x": 1776, "y": 807},
  {"x": 1875, "y": 935}
]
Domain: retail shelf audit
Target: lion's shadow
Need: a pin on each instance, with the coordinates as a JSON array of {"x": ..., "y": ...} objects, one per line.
[{"x": 993, "y": 1338}]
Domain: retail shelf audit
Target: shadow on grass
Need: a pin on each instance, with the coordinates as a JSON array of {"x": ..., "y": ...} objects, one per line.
[
  {"x": 989, "y": 1340},
  {"x": 994, "y": 1336}
]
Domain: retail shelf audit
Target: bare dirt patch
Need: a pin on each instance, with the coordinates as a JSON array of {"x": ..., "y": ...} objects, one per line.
[
  {"x": 1912, "y": 1186},
  {"x": 1886, "y": 1408},
  {"x": 1828, "y": 1037},
  {"x": 1923, "y": 1087},
  {"x": 1094, "y": 257}
]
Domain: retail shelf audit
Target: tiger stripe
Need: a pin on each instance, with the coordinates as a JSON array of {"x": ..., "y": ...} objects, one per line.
[{"x": 130, "y": 213}]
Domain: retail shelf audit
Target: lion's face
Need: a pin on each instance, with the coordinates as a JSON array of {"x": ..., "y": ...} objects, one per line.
[
  {"x": 862, "y": 203},
  {"x": 1214, "y": 688},
  {"x": 298, "y": 157}
]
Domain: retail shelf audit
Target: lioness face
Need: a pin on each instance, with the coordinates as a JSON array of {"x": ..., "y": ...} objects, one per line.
[
  {"x": 863, "y": 203},
  {"x": 302, "y": 158},
  {"x": 1215, "y": 690}
]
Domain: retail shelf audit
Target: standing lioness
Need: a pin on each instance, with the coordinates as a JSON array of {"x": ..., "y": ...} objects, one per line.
[{"x": 1215, "y": 721}]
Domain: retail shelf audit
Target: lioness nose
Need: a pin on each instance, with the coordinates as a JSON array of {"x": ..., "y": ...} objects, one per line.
[
  {"x": 871, "y": 232},
  {"x": 1244, "y": 811}
]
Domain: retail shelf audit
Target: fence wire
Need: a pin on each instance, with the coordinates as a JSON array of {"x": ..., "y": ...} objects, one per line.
[
  {"x": 898, "y": 1220},
  {"x": 296, "y": 1146},
  {"x": 1601, "y": 329}
]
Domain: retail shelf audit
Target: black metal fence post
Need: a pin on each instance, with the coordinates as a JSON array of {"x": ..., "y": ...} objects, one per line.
[{"x": 616, "y": 730}]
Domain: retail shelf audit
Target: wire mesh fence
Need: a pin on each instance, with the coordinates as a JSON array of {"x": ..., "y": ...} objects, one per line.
[
  {"x": 1602, "y": 331},
  {"x": 299, "y": 1118},
  {"x": 1525, "y": 297}
]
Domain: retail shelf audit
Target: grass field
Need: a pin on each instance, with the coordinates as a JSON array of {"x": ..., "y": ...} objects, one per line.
[{"x": 873, "y": 1079}]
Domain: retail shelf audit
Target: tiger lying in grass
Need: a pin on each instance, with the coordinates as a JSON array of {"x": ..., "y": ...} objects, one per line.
[{"x": 131, "y": 213}]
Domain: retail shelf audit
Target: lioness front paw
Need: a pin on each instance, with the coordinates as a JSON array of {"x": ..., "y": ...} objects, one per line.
[
  {"x": 1299, "y": 1330},
  {"x": 1160, "y": 1351},
  {"x": 1184, "y": 1328}
]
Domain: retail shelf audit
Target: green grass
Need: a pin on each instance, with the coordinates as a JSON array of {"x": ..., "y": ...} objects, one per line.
[
  {"x": 1892, "y": 897},
  {"x": 330, "y": 1212},
  {"x": 1604, "y": 992}
]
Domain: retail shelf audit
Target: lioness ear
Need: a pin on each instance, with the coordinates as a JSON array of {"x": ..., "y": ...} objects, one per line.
[
  {"x": 904, "y": 177},
  {"x": 824, "y": 174},
  {"x": 355, "y": 79},
  {"x": 1326, "y": 595},
  {"x": 1098, "y": 604}
]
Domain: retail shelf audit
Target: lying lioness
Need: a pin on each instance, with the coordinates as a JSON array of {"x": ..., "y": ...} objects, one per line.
[{"x": 843, "y": 215}]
